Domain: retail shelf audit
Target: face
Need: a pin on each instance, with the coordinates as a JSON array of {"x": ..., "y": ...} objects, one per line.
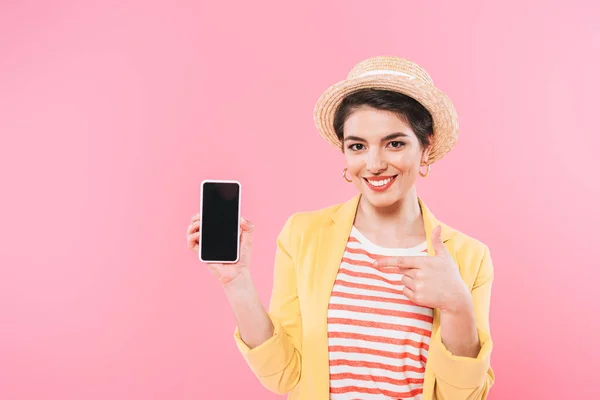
[{"x": 383, "y": 155}]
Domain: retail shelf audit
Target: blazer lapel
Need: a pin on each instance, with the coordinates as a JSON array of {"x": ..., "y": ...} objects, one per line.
[{"x": 331, "y": 246}]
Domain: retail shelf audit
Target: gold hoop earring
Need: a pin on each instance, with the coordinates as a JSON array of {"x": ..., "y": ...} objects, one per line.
[
  {"x": 344, "y": 175},
  {"x": 426, "y": 173}
]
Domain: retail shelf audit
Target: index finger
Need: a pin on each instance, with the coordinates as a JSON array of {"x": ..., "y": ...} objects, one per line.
[{"x": 406, "y": 262}]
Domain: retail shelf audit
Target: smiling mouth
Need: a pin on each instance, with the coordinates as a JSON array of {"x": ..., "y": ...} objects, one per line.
[{"x": 380, "y": 183}]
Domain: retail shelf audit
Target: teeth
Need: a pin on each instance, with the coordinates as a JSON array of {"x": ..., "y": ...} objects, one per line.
[{"x": 380, "y": 183}]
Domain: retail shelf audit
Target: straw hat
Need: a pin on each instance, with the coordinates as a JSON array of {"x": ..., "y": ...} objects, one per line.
[{"x": 400, "y": 75}]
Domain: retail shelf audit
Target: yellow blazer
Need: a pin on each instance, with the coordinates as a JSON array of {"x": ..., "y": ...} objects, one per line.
[{"x": 309, "y": 252}]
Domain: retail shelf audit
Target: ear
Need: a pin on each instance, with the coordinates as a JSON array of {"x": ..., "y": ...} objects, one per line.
[{"x": 425, "y": 155}]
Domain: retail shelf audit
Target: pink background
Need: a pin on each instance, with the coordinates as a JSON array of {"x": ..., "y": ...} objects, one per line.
[{"x": 111, "y": 113}]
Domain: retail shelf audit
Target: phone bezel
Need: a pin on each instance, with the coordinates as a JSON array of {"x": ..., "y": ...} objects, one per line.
[{"x": 237, "y": 258}]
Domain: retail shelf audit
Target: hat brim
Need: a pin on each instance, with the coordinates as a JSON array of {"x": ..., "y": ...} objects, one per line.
[{"x": 445, "y": 118}]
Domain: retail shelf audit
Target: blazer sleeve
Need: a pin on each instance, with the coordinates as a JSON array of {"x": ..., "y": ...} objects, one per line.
[
  {"x": 466, "y": 378},
  {"x": 277, "y": 362}
]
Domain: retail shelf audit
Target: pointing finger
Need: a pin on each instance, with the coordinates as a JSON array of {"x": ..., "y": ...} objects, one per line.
[
  {"x": 394, "y": 270},
  {"x": 395, "y": 262}
]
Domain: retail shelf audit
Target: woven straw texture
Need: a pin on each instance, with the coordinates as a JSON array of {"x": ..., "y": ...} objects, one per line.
[{"x": 418, "y": 85}]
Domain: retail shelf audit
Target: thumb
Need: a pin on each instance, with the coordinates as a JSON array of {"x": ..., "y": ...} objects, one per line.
[
  {"x": 247, "y": 230},
  {"x": 436, "y": 242}
]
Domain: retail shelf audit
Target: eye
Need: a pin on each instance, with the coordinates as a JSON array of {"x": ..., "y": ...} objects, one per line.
[
  {"x": 397, "y": 144},
  {"x": 352, "y": 146}
]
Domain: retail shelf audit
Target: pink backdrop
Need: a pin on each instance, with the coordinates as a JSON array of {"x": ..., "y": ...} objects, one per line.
[{"x": 111, "y": 113}]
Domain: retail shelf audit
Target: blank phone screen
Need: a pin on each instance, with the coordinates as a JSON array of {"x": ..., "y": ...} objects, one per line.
[{"x": 220, "y": 221}]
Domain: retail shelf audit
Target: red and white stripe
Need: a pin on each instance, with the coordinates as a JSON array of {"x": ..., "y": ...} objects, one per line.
[{"x": 378, "y": 339}]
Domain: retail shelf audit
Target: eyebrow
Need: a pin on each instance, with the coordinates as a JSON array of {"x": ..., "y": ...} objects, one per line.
[{"x": 388, "y": 137}]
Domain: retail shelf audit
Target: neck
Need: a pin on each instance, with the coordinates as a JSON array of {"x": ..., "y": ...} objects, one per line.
[{"x": 404, "y": 216}]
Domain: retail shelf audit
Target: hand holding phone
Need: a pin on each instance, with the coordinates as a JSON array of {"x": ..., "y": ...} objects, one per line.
[{"x": 218, "y": 233}]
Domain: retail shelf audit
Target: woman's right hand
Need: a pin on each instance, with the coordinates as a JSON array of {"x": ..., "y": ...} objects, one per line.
[{"x": 225, "y": 273}]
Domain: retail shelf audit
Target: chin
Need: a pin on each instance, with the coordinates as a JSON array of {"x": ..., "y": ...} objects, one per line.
[{"x": 382, "y": 200}]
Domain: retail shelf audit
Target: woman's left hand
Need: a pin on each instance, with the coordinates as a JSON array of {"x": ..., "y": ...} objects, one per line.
[{"x": 428, "y": 281}]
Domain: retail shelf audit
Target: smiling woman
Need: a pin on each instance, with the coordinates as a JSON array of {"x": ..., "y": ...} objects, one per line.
[{"x": 374, "y": 297}]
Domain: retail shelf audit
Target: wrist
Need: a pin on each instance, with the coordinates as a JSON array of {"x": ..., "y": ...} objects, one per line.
[
  {"x": 462, "y": 304},
  {"x": 459, "y": 329},
  {"x": 242, "y": 280}
]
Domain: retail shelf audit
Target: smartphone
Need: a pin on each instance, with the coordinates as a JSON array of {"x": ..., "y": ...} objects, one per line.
[{"x": 220, "y": 206}]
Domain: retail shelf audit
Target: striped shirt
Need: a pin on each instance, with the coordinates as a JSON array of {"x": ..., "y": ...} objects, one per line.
[{"x": 378, "y": 339}]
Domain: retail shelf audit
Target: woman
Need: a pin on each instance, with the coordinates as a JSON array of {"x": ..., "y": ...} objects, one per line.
[{"x": 373, "y": 298}]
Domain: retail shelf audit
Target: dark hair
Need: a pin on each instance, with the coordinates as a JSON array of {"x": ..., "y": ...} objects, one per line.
[{"x": 407, "y": 108}]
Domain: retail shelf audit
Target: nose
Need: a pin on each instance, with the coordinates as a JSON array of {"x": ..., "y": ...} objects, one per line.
[{"x": 375, "y": 162}]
